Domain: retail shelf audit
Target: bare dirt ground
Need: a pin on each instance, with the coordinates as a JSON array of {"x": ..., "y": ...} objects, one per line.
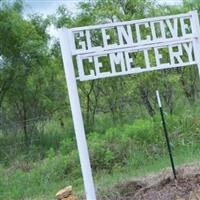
[{"x": 161, "y": 186}]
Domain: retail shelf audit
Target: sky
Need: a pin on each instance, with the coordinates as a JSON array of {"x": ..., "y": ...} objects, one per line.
[{"x": 46, "y": 7}]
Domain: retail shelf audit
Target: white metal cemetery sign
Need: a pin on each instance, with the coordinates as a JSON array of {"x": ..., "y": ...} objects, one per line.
[{"x": 114, "y": 49}]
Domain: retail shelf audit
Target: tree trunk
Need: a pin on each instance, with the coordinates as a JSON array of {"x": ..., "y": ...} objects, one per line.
[
  {"x": 146, "y": 101},
  {"x": 168, "y": 97}
]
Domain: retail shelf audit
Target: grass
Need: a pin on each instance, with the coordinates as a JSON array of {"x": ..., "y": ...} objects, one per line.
[
  {"x": 37, "y": 184},
  {"x": 117, "y": 154},
  {"x": 182, "y": 156}
]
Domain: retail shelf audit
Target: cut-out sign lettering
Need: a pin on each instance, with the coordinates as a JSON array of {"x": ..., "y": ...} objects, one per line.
[
  {"x": 135, "y": 46},
  {"x": 119, "y": 49}
]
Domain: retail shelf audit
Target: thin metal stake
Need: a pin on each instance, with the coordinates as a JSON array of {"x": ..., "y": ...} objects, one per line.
[{"x": 166, "y": 134}]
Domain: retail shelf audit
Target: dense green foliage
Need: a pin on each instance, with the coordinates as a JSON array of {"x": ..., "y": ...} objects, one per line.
[
  {"x": 129, "y": 149},
  {"x": 37, "y": 142}
]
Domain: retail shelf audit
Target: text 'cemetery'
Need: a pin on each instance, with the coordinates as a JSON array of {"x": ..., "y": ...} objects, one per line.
[{"x": 133, "y": 47}]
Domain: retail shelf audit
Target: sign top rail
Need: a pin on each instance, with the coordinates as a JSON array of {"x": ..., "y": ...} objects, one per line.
[
  {"x": 138, "y": 21},
  {"x": 126, "y": 34}
]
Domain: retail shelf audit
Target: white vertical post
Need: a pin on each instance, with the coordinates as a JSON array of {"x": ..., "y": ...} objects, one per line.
[
  {"x": 196, "y": 32},
  {"x": 76, "y": 114}
]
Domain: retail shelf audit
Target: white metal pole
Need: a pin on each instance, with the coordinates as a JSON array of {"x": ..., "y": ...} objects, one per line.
[
  {"x": 76, "y": 114},
  {"x": 196, "y": 29}
]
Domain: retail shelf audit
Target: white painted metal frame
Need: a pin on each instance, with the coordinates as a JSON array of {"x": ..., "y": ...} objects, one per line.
[
  {"x": 196, "y": 28},
  {"x": 136, "y": 70},
  {"x": 73, "y": 31},
  {"x": 68, "y": 50},
  {"x": 77, "y": 115}
]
